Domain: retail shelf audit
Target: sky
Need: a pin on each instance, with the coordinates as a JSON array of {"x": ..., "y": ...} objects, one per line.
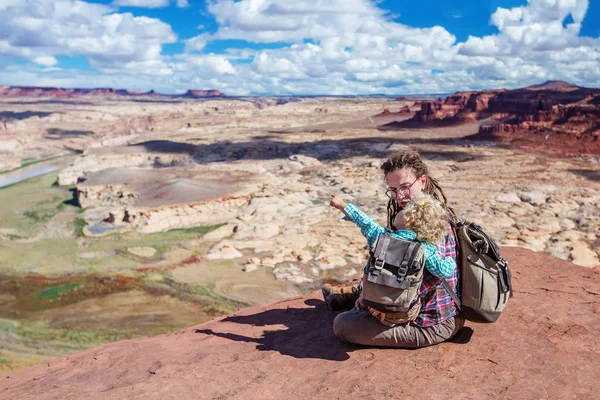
[{"x": 299, "y": 47}]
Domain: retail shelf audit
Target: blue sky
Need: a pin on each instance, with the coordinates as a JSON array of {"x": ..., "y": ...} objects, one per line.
[{"x": 299, "y": 47}]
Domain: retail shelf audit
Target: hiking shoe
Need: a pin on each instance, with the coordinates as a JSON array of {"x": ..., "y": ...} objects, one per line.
[{"x": 339, "y": 298}]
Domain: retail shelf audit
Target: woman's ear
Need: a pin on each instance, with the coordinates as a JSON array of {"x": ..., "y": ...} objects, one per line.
[{"x": 423, "y": 180}]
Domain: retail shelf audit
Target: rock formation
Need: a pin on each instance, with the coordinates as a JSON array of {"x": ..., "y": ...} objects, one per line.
[
  {"x": 545, "y": 345},
  {"x": 553, "y": 116},
  {"x": 403, "y": 112},
  {"x": 432, "y": 113},
  {"x": 299, "y": 157},
  {"x": 203, "y": 93},
  {"x": 558, "y": 86},
  {"x": 56, "y": 92},
  {"x": 570, "y": 129}
]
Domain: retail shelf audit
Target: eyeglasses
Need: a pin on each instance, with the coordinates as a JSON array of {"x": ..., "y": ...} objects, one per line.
[{"x": 403, "y": 191}]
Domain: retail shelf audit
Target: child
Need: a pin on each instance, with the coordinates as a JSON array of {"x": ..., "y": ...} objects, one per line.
[{"x": 423, "y": 219}]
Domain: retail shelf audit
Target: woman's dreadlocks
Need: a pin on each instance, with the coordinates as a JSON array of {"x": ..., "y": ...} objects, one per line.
[{"x": 412, "y": 160}]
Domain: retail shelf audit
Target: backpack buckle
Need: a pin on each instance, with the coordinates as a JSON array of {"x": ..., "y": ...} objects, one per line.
[{"x": 379, "y": 263}]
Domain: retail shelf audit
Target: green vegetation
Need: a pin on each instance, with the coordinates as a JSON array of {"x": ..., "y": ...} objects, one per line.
[
  {"x": 79, "y": 224},
  {"x": 197, "y": 229},
  {"x": 157, "y": 256},
  {"x": 27, "y": 206},
  {"x": 39, "y": 216},
  {"x": 60, "y": 256},
  {"x": 88, "y": 267},
  {"x": 38, "y": 332},
  {"x": 54, "y": 293},
  {"x": 26, "y": 343},
  {"x": 202, "y": 294}
]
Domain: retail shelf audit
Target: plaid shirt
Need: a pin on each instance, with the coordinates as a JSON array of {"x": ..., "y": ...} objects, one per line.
[{"x": 437, "y": 305}]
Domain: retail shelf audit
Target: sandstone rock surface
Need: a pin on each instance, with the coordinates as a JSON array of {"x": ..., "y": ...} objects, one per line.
[
  {"x": 150, "y": 167},
  {"x": 545, "y": 345}
]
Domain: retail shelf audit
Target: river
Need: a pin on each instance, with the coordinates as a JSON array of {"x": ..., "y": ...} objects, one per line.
[{"x": 31, "y": 171}]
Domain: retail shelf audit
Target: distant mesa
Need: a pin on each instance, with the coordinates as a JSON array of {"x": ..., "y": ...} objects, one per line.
[
  {"x": 128, "y": 92},
  {"x": 56, "y": 92},
  {"x": 561, "y": 86},
  {"x": 203, "y": 93}
]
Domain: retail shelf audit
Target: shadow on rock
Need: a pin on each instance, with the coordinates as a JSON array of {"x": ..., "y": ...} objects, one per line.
[
  {"x": 463, "y": 336},
  {"x": 58, "y": 134},
  {"x": 267, "y": 148},
  {"x": 295, "y": 332},
  {"x": 588, "y": 174},
  {"x": 73, "y": 201},
  {"x": 12, "y": 115}
]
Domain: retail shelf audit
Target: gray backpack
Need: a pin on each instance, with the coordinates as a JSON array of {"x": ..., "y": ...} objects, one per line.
[
  {"x": 393, "y": 276},
  {"x": 485, "y": 281}
]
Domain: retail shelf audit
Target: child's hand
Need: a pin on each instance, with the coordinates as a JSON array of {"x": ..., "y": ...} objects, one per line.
[{"x": 337, "y": 202}]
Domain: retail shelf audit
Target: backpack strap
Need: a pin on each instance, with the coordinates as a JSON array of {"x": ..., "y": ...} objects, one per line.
[
  {"x": 455, "y": 225},
  {"x": 451, "y": 292},
  {"x": 411, "y": 254}
]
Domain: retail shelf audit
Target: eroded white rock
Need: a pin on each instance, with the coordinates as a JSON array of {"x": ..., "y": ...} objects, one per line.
[{"x": 223, "y": 251}]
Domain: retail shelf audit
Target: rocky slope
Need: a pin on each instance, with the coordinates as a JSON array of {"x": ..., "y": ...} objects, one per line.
[
  {"x": 554, "y": 117},
  {"x": 570, "y": 129},
  {"x": 545, "y": 345}
]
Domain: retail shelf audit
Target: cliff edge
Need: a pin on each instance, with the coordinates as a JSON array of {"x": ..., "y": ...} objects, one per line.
[{"x": 545, "y": 345}]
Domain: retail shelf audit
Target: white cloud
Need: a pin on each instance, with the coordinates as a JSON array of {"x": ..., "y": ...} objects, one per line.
[
  {"x": 285, "y": 21},
  {"x": 39, "y": 29},
  {"x": 150, "y": 3},
  {"x": 539, "y": 26},
  {"x": 210, "y": 65},
  {"x": 329, "y": 46},
  {"x": 142, "y": 3},
  {"x": 197, "y": 43},
  {"x": 46, "y": 61}
]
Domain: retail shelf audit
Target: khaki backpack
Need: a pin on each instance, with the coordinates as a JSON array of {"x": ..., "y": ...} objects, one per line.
[
  {"x": 485, "y": 282},
  {"x": 393, "y": 276}
]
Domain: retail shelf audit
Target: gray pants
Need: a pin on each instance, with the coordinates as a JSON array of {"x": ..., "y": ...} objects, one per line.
[{"x": 360, "y": 327}]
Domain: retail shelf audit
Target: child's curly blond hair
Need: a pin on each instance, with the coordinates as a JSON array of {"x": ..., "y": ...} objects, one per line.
[{"x": 427, "y": 217}]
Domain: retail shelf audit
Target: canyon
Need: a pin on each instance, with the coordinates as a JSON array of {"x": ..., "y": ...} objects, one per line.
[{"x": 213, "y": 204}]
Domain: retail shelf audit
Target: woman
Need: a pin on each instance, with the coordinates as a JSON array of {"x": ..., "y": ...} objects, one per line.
[{"x": 406, "y": 175}]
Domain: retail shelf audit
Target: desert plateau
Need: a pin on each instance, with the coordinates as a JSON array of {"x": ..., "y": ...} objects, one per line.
[
  {"x": 128, "y": 216},
  {"x": 274, "y": 199}
]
